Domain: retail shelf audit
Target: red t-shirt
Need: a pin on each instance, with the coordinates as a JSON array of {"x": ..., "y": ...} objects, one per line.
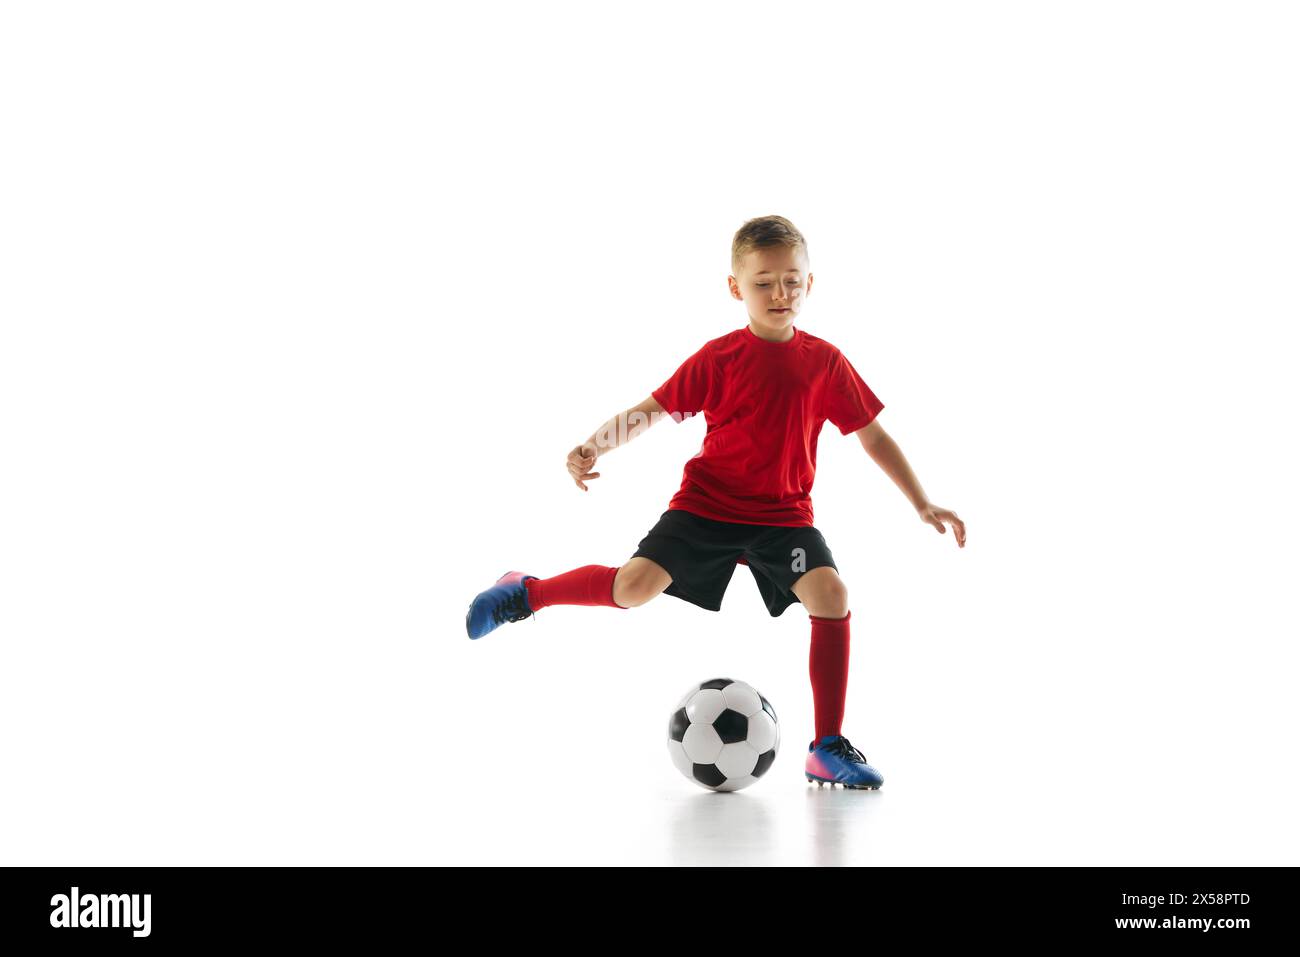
[{"x": 764, "y": 404}]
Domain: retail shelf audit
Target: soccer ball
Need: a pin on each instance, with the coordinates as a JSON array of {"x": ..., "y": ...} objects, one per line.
[{"x": 723, "y": 735}]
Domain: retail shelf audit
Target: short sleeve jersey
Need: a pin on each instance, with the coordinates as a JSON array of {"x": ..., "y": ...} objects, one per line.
[{"x": 764, "y": 405}]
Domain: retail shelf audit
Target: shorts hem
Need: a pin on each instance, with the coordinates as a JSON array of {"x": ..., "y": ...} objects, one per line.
[{"x": 694, "y": 601}]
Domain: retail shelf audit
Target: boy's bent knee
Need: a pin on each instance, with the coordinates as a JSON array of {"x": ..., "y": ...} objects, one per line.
[
  {"x": 823, "y": 593},
  {"x": 639, "y": 581}
]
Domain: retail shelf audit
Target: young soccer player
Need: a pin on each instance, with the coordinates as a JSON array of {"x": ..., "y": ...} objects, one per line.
[{"x": 765, "y": 391}]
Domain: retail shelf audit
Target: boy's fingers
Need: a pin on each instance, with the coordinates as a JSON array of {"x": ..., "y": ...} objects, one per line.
[{"x": 958, "y": 528}]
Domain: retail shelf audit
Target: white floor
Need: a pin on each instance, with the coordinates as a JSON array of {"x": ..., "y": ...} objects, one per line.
[{"x": 544, "y": 743}]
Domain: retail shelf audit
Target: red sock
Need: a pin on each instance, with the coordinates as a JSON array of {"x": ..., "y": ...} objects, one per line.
[
  {"x": 828, "y": 666},
  {"x": 588, "y": 585}
]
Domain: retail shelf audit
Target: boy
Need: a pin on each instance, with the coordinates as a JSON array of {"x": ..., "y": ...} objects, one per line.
[{"x": 765, "y": 391}]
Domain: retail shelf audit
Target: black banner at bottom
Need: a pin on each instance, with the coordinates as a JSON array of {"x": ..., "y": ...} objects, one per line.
[{"x": 847, "y": 907}]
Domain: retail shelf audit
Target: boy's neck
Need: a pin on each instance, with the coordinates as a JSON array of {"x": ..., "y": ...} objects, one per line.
[{"x": 771, "y": 335}]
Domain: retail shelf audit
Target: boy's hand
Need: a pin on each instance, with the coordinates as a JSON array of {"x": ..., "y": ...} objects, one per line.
[
  {"x": 580, "y": 460},
  {"x": 937, "y": 516}
]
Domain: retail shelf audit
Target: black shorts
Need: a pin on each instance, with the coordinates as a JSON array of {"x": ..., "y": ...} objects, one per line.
[{"x": 701, "y": 554}]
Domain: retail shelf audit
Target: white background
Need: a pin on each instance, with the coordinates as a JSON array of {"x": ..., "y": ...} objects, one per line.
[{"x": 304, "y": 303}]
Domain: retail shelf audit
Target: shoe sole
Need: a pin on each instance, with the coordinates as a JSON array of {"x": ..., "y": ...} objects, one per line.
[{"x": 853, "y": 787}]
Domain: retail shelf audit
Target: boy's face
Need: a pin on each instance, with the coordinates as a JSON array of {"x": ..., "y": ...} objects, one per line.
[{"x": 772, "y": 283}]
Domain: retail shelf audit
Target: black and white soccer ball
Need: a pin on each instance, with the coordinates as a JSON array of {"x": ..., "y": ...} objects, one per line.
[{"x": 723, "y": 735}]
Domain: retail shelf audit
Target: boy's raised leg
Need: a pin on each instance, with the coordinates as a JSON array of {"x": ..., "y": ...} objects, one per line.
[{"x": 517, "y": 596}]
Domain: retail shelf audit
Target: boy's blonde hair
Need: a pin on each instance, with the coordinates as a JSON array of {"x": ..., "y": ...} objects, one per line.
[{"x": 763, "y": 233}]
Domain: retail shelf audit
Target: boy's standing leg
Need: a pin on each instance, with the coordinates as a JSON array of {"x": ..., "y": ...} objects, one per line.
[{"x": 831, "y": 759}]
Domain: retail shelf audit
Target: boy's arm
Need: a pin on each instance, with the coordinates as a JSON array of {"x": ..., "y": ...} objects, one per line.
[
  {"x": 619, "y": 430},
  {"x": 885, "y": 452}
]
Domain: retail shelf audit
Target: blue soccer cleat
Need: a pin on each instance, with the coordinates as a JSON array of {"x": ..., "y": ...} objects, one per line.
[
  {"x": 507, "y": 600},
  {"x": 832, "y": 760}
]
